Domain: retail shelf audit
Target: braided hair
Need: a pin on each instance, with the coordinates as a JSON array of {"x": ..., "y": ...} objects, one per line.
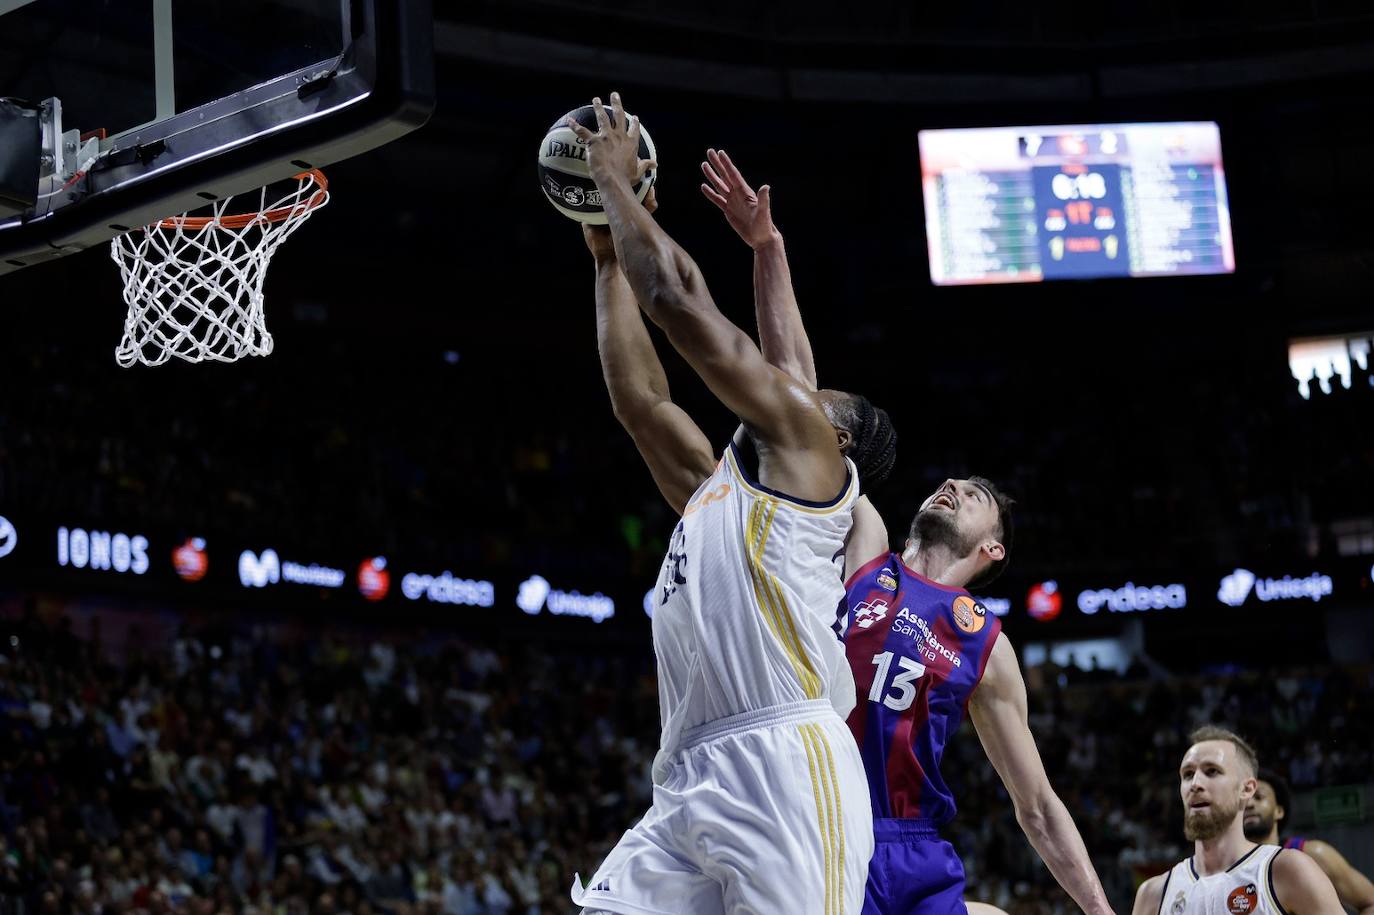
[{"x": 872, "y": 438}]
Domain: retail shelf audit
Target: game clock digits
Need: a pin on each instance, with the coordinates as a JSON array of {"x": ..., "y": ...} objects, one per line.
[{"x": 1024, "y": 204}]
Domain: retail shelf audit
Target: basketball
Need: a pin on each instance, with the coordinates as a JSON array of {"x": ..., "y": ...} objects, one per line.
[{"x": 563, "y": 175}]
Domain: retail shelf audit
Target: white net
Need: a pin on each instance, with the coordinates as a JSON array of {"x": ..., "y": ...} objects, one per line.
[{"x": 194, "y": 284}]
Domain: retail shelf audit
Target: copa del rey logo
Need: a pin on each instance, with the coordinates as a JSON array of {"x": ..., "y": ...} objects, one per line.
[
  {"x": 870, "y": 612},
  {"x": 1243, "y": 900}
]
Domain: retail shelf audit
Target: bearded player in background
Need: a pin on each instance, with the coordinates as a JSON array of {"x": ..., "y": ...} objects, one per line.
[
  {"x": 1264, "y": 816},
  {"x": 1228, "y": 874}
]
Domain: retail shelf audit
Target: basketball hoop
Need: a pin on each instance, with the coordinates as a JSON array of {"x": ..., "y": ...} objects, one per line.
[{"x": 193, "y": 284}]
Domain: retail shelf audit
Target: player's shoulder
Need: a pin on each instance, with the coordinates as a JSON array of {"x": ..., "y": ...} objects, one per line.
[
  {"x": 1290, "y": 868},
  {"x": 1001, "y": 657},
  {"x": 1150, "y": 893},
  {"x": 1324, "y": 854},
  {"x": 866, "y": 545},
  {"x": 1318, "y": 849},
  {"x": 869, "y": 563}
]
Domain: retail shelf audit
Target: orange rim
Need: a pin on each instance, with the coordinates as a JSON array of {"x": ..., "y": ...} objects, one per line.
[{"x": 244, "y": 220}]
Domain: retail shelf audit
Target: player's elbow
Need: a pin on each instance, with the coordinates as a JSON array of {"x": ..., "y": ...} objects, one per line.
[
  {"x": 1035, "y": 816},
  {"x": 672, "y": 295},
  {"x": 634, "y": 411}
]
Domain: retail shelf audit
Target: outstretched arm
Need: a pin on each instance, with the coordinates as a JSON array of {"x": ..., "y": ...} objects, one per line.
[
  {"x": 998, "y": 709},
  {"x": 677, "y": 452},
  {"x": 782, "y": 335},
  {"x": 793, "y": 432}
]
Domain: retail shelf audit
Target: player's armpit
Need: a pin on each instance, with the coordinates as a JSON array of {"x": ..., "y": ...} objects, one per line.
[
  {"x": 1301, "y": 886},
  {"x": 1149, "y": 896},
  {"x": 1352, "y": 887},
  {"x": 867, "y": 538}
]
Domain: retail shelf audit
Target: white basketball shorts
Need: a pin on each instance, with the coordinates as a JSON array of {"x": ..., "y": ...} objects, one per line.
[{"x": 764, "y": 812}]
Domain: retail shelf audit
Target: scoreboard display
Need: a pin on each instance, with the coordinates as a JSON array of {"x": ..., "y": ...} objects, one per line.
[{"x": 1024, "y": 204}]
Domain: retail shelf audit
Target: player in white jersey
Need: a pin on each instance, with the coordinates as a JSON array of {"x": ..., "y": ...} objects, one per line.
[
  {"x": 760, "y": 802},
  {"x": 1228, "y": 874}
]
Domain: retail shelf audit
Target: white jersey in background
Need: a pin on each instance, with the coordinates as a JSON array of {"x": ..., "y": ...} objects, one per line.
[{"x": 1245, "y": 888}]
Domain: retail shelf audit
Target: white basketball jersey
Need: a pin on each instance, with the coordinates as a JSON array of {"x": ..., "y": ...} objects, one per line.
[
  {"x": 1246, "y": 888},
  {"x": 745, "y": 604}
]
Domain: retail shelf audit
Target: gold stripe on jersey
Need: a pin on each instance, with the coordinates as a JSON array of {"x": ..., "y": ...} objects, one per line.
[
  {"x": 839, "y": 814},
  {"x": 814, "y": 690},
  {"x": 823, "y": 813},
  {"x": 768, "y": 592},
  {"x": 760, "y": 524},
  {"x": 840, "y": 501}
]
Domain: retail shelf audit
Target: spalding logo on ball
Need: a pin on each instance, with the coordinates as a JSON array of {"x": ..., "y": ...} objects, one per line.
[{"x": 563, "y": 174}]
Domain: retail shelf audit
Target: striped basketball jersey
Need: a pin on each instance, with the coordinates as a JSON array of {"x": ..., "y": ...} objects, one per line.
[
  {"x": 1295, "y": 842},
  {"x": 1245, "y": 888},
  {"x": 745, "y": 601},
  {"x": 917, "y": 650}
]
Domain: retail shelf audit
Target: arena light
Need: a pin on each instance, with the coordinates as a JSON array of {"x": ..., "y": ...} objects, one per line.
[
  {"x": 316, "y": 575},
  {"x": 1329, "y": 361},
  {"x": 1044, "y": 601},
  {"x": 258, "y": 570},
  {"x": 447, "y": 588},
  {"x": 190, "y": 559},
  {"x": 1131, "y": 598},
  {"x": 536, "y": 594},
  {"x": 374, "y": 581},
  {"x": 9, "y": 537},
  {"x": 1235, "y": 589},
  {"x": 997, "y": 606},
  {"x": 109, "y": 551}
]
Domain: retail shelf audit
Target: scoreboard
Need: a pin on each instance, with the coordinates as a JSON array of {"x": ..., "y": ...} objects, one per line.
[{"x": 1024, "y": 204}]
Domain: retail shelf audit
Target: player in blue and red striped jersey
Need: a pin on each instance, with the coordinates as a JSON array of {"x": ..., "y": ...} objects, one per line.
[
  {"x": 922, "y": 650},
  {"x": 1264, "y": 816}
]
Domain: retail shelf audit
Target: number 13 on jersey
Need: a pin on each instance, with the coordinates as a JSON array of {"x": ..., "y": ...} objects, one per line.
[{"x": 904, "y": 689}]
